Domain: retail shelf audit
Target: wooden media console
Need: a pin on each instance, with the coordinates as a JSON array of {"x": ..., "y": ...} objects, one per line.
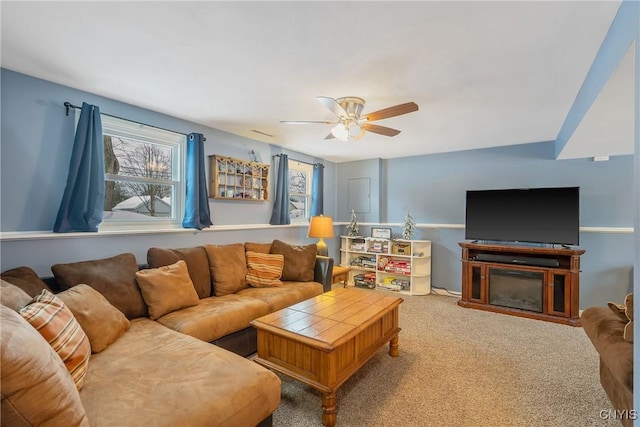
[{"x": 528, "y": 281}]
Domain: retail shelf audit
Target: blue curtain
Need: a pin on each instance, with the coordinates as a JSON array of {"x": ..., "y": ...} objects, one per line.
[
  {"x": 317, "y": 190},
  {"x": 83, "y": 199},
  {"x": 280, "y": 214},
  {"x": 196, "y": 213}
]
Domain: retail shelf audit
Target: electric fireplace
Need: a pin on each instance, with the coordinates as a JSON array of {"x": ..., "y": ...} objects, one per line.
[{"x": 516, "y": 289}]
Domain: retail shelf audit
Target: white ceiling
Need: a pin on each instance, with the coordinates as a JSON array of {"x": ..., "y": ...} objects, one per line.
[{"x": 484, "y": 74}]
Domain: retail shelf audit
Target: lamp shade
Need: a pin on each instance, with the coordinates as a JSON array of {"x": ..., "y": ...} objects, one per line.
[{"x": 321, "y": 226}]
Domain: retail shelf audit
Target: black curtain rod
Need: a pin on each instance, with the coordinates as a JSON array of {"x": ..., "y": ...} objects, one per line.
[
  {"x": 68, "y": 105},
  {"x": 301, "y": 161}
]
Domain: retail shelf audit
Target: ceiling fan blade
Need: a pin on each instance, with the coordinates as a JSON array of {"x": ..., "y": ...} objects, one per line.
[
  {"x": 332, "y": 105},
  {"x": 330, "y": 136},
  {"x": 396, "y": 110},
  {"x": 382, "y": 130},
  {"x": 307, "y": 122}
]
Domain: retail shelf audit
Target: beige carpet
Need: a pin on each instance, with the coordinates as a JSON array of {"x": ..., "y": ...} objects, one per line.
[{"x": 465, "y": 367}]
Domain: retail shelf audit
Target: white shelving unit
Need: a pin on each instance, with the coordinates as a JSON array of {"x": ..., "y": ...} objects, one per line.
[{"x": 398, "y": 265}]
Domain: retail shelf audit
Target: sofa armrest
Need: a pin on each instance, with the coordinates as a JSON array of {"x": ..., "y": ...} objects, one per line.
[
  {"x": 605, "y": 329},
  {"x": 323, "y": 272}
]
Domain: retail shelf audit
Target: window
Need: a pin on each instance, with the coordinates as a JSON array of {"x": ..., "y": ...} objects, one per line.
[
  {"x": 143, "y": 175},
  {"x": 300, "y": 178}
]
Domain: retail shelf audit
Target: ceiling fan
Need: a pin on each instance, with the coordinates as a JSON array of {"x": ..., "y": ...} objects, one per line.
[{"x": 350, "y": 123}]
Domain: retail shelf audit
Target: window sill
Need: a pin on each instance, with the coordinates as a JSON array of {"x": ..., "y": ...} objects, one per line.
[{"x": 43, "y": 235}]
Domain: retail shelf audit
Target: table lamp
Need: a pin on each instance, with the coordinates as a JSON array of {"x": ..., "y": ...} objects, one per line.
[{"x": 321, "y": 226}]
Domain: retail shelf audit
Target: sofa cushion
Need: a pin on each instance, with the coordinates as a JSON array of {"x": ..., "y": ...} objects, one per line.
[
  {"x": 26, "y": 279},
  {"x": 114, "y": 277},
  {"x": 281, "y": 297},
  {"x": 264, "y": 270},
  {"x": 306, "y": 290},
  {"x": 171, "y": 379},
  {"x": 228, "y": 266},
  {"x": 197, "y": 264},
  {"x": 215, "y": 317},
  {"x": 166, "y": 289},
  {"x": 299, "y": 261},
  {"x": 264, "y": 248},
  {"x": 102, "y": 322},
  {"x": 55, "y": 322},
  {"x": 36, "y": 387},
  {"x": 12, "y": 296}
]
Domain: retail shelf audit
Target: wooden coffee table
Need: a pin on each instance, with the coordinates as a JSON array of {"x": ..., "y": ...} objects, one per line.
[{"x": 324, "y": 340}]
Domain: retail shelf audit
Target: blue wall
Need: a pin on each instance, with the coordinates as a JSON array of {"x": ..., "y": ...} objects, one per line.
[
  {"x": 36, "y": 144},
  {"x": 41, "y": 253},
  {"x": 433, "y": 187},
  {"x": 37, "y": 139},
  {"x": 370, "y": 170}
]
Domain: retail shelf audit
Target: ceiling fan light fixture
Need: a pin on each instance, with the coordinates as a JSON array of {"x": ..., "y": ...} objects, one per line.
[
  {"x": 354, "y": 131},
  {"x": 341, "y": 132}
]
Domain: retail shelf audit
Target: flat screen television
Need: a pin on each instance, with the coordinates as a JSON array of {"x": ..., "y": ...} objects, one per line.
[{"x": 536, "y": 215}]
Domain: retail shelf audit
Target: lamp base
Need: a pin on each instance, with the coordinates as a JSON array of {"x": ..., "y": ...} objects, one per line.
[{"x": 322, "y": 248}]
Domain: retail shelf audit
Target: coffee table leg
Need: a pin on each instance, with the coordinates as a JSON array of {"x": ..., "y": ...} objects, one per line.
[
  {"x": 394, "y": 350},
  {"x": 328, "y": 409}
]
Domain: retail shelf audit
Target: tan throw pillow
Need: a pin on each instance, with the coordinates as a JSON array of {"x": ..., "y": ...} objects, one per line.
[
  {"x": 26, "y": 279},
  {"x": 55, "y": 322},
  {"x": 36, "y": 387},
  {"x": 12, "y": 296},
  {"x": 102, "y": 322},
  {"x": 628, "y": 331},
  {"x": 166, "y": 289},
  {"x": 228, "y": 266},
  {"x": 299, "y": 261},
  {"x": 628, "y": 306},
  {"x": 264, "y": 248},
  {"x": 618, "y": 309},
  {"x": 114, "y": 278},
  {"x": 628, "y": 310},
  {"x": 625, "y": 313},
  {"x": 264, "y": 270},
  {"x": 197, "y": 265}
]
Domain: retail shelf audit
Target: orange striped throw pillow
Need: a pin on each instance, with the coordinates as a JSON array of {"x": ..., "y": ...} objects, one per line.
[
  {"x": 264, "y": 270},
  {"x": 55, "y": 322}
]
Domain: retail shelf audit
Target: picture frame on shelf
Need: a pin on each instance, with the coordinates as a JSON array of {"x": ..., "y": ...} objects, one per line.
[{"x": 380, "y": 233}]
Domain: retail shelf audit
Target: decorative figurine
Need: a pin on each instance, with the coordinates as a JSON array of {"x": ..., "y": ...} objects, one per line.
[
  {"x": 353, "y": 228},
  {"x": 408, "y": 227}
]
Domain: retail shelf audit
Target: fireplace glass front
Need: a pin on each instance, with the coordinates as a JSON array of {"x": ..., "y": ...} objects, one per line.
[{"x": 516, "y": 289}]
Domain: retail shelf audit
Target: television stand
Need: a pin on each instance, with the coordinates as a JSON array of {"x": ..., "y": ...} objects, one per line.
[{"x": 527, "y": 281}]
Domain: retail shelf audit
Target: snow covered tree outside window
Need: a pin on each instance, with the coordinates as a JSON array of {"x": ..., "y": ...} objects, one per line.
[
  {"x": 300, "y": 179},
  {"x": 144, "y": 182}
]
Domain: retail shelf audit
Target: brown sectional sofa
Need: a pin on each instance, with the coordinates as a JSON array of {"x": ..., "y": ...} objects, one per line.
[
  {"x": 610, "y": 329},
  {"x": 163, "y": 372}
]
